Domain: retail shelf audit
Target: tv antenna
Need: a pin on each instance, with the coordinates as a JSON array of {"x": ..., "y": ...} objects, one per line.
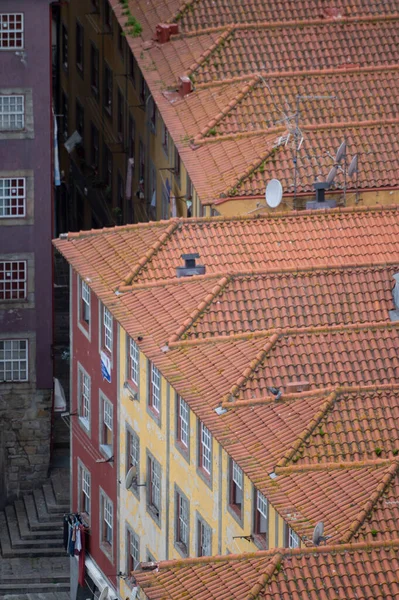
[{"x": 318, "y": 534}]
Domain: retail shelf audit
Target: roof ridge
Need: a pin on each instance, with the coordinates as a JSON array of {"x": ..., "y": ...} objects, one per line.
[
  {"x": 252, "y": 167},
  {"x": 309, "y": 429},
  {"x": 252, "y": 82},
  {"x": 207, "y": 53},
  {"x": 181, "y": 10},
  {"x": 375, "y": 496},
  {"x": 200, "y": 308},
  {"x": 151, "y": 252},
  {"x": 254, "y": 592},
  {"x": 73, "y": 235},
  {"x": 333, "y": 466}
]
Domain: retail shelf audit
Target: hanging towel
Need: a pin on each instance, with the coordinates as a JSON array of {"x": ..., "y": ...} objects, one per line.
[{"x": 78, "y": 542}]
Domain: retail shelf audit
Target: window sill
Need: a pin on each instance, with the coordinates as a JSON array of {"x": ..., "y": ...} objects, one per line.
[
  {"x": 205, "y": 476},
  {"x": 181, "y": 548},
  {"x": 183, "y": 449},
  {"x": 132, "y": 390},
  {"x": 106, "y": 450},
  {"x": 106, "y": 547},
  {"x": 85, "y": 423},
  {"x": 260, "y": 541},
  {"x": 236, "y": 512},
  {"x": 154, "y": 513}
]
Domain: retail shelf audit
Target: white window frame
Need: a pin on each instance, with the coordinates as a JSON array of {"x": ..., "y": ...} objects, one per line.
[
  {"x": 205, "y": 538},
  {"x": 155, "y": 389},
  {"x": 183, "y": 519},
  {"x": 134, "y": 548},
  {"x": 262, "y": 504},
  {"x": 108, "y": 423},
  {"x": 84, "y": 397},
  {"x": 7, "y": 198},
  {"x": 134, "y": 450},
  {"x": 108, "y": 518},
  {"x": 12, "y": 120},
  {"x": 206, "y": 448},
  {"x": 155, "y": 490},
  {"x": 293, "y": 539},
  {"x": 9, "y": 279},
  {"x": 85, "y": 488},
  {"x": 6, "y": 29},
  {"x": 134, "y": 362},
  {"x": 237, "y": 475},
  {"x": 18, "y": 365},
  {"x": 184, "y": 422},
  {"x": 85, "y": 300},
  {"x": 108, "y": 326}
]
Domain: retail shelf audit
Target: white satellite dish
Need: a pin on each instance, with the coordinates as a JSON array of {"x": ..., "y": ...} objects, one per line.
[
  {"x": 274, "y": 193},
  {"x": 131, "y": 474},
  {"x": 104, "y": 593}
]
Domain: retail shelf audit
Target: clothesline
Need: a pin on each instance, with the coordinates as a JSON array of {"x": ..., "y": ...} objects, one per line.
[{"x": 75, "y": 532}]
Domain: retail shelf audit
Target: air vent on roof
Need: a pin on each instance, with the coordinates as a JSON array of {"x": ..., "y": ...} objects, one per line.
[
  {"x": 394, "y": 314},
  {"x": 321, "y": 202},
  {"x": 190, "y": 268},
  {"x": 296, "y": 387},
  {"x": 163, "y": 31}
]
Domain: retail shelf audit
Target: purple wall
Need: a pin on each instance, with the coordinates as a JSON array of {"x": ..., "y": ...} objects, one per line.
[{"x": 33, "y": 154}]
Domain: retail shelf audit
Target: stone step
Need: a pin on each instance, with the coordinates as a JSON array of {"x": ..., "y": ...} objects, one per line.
[
  {"x": 29, "y": 588},
  {"x": 34, "y": 523},
  {"x": 52, "y": 541},
  {"x": 36, "y": 534},
  {"x": 42, "y": 510},
  {"x": 60, "y": 485},
  {"x": 36, "y": 570},
  {"x": 44, "y": 596},
  {"x": 9, "y": 550},
  {"x": 51, "y": 502}
]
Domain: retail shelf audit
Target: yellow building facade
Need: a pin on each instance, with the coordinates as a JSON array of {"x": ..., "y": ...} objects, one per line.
[{"x": 147, "y": 533}]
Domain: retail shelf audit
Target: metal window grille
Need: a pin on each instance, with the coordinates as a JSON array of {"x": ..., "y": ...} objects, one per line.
[
  {"x": 107, "y": 329},
  {"x": 12, "y": 113},
  {"x": 134, "y": 549},
  {"x": 134, "y": 450},
  {"x": 12, "y": 280},
  {"x": 205, "y": 539},
  {"x": 156, "y": 388},
  {"x": 13, "y": 360},
  {"x": 108, "y": 415},
  {"x": 12, "y": 197},
  {"x": 293, "y": 539},
  {"x": 108, "y": 520},
  {"x": 134, "y": 355},
  {"x": 206, "y": 448},
  {"x": 183, "y": 519},
  {"x": 184, "y": 421},
  {"x": 11, "y": 31},
  {"x": 85, "y": 302},
  {"x": 86, "y": 490},
  {"x": 155, "y": 484},
  {"x": 237, "y": 475},
  {"x": 85, "y": 395},
  {"x": 261, "y": 504}
]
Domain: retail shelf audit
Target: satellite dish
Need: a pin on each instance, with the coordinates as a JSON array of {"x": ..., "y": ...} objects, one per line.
[
  {"x": 353, "y": 166},
  {"x": 340, "y": 152},
  {"x": 318, "y": 533},
  {"x": 274, "y": 193},
  {"x": 104, "y": 593},
  {"x": 131, "y": 474},
  {"x": 332, "y": 174}
]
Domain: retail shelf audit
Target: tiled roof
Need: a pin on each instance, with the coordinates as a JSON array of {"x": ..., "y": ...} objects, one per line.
[
  {"x": 285, "y": 298},
  {"x": 328, "y": 573},
  {"x": 249, "y": 61}
]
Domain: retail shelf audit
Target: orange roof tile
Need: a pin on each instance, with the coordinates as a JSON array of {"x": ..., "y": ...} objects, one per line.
[
  {"x": 326, "y": 573},
  {"x": 302, "y": 296}
]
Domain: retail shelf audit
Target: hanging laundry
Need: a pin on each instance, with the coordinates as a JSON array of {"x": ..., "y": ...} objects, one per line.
[{"x": 81, "y": 577}]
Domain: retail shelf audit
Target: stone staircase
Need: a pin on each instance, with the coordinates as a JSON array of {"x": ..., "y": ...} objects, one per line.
[{"x": 33, "y": 563}]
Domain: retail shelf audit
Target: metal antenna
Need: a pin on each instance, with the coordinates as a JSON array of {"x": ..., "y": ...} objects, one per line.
[{"x": 298, "y": 135}]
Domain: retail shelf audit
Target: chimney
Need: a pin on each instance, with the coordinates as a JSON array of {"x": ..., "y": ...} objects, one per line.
[
  {"x": 394, "y": 314},
  {"x": 190, "y": 268},
  {"x": 185, "y": 85},
  {"x": 163, "y": 31},
  {"x": 320, "y": 202},
  {"x": 296, "y": 387}
]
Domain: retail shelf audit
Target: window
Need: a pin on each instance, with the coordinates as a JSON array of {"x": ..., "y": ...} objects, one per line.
[
  {"x": 154, "y": 485},
  {"x": 177, "y": 165},
  {"x": 154, "y": 399},
  {"x": 108, "y": 89},
  {"x": 182, "y": 522},
  {"x": 11, "y": 31},
  {"x": 65, "y": 116},
  {"x": 79, "y": 47},
  {"x": 134, "y": 362},
  {"x": 189, "y": 188},
  {"x": 165, "y": 139},
  {"x": 94, "y": 147},
  {"x": 12, "y": 113},
  {"x": 84, "y": 496},
  {"x": 84, "y": 302},
  {"x": 261, "y": 519},
  {"x": 119, "y": 116},
  {"x": 236, "y": 485},
  {"x": 133, "y": 551},
  {"x": 107, "y": 518},
  {"x": 132, "y": 68},
  {"x": 12, "y": 197},
  {"x": 204, "y": 541},
  {"x": 13, "y": 280},
  {"x": 183, "y": 422},
  {"x": 133, "y": 453},
  {"x": 132, "y": 137},
  {"x": 64, "y": 47},
  {"x": 153, "y": 115},
  {"x": 143, "y": 89},
  {"x": 80, "y": 118},
  {"x": 107, "y": 15},
  {"x": 107, "y": 329},
  {"x": 94, "y": 70},
  {"x": 107, "y": 171},
  {"x": 84, "y": 397},
  {"x": 106, "y": 435},
  {"x": 13, "y": 360},
  {"x": 205, "y": 449},
  {"x": 291, "y": 538}
]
